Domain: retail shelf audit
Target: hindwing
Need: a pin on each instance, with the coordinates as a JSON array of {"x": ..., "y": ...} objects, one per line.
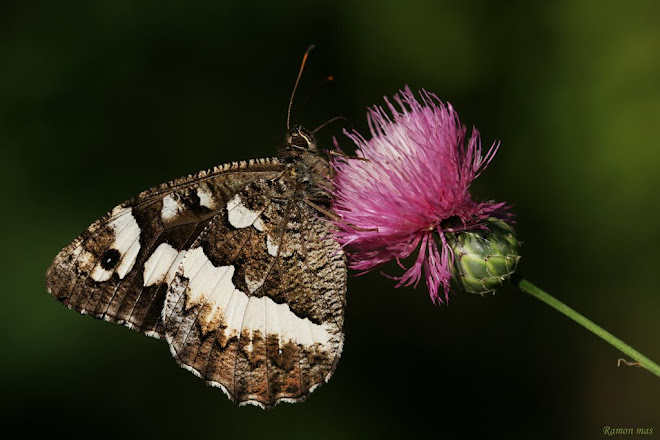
[{"x": 257, "y": 304}]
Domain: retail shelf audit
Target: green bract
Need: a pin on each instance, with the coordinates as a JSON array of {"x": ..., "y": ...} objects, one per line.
[{"x": 484, "y": 259}]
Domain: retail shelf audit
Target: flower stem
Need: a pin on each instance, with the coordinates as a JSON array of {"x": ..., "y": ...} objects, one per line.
[{"x": 529, "y": 288}]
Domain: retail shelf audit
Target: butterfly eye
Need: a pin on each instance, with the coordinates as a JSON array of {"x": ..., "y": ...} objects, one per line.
[{"x": 299, "y": 142}]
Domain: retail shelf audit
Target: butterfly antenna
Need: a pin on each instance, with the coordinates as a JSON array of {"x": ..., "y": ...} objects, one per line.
[
  {"x": 295, "y": 86},
  {"x": 335, "y": 119}
]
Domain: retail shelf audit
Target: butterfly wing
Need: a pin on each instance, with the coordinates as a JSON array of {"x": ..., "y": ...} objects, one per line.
[
  {"x": 257, "y": 304},
  {"x": 120, "y": 268}
]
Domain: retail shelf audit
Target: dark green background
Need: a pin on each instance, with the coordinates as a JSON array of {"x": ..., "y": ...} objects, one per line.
[{"x": 102, "y": 99}]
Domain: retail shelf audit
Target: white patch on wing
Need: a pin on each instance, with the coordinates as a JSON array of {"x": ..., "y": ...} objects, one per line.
[
  {"x": 279, "y": 320},
  {"x": 159, "y": 265},
  {"x": 174, "y": 267},
  {"x": 116, "y": 210},
  {"x": 127, "y": 243},
  {"x": 85, "y": 259},
  {"x": 99, "y": 274},
  {"x": 272, "y": 246},
  {"x": 254, "y": 321},
  {"x": 128, "y": 260},
  {"x": 205, "y": 197},
  {"x": 235, "y": 310},
  {"x": 171, "y": 208},
  {"x": 239, "y": 215},
  {"x": 212, "y": 287},
  {"x": 253, "y": 284},
  {"x": 258, "y": 225}
]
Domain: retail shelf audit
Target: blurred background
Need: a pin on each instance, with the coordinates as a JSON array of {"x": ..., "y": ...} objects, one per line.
[{"x": 100, "y": 100}]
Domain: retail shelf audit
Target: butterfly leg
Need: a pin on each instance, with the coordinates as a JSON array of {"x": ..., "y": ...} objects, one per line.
[
  {"x": 338, "y": 153},
  {"x": 334, "y": 217}
]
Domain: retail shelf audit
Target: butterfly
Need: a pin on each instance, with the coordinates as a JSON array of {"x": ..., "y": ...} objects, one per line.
[{"x": 235, "y": 267}]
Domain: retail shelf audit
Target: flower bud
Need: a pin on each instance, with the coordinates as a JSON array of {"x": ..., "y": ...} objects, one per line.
[{"x": 484, "y": 259}]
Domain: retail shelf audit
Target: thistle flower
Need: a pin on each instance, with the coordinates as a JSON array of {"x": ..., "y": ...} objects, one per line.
[{"x": 411, "y": 194}]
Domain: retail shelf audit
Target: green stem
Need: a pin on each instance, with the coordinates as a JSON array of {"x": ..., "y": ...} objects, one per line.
[{"x": 539, "y": 294}]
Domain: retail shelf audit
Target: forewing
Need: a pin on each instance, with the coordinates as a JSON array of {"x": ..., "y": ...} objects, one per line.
[
  {"x": 120, "y": 268},
  {"x": 257, "y": 305}
]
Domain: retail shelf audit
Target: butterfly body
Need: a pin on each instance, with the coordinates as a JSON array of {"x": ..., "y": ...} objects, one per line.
[{"x": 235, "y": 267}]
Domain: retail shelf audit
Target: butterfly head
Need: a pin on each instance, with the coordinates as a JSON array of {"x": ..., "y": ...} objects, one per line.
[{"x": 298, "y": 142}]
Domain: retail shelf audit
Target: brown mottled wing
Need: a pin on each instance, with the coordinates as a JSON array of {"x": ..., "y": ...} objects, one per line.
[
  {"x": 119, "y": 269},
  {"x": 257, "y": 305}
]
